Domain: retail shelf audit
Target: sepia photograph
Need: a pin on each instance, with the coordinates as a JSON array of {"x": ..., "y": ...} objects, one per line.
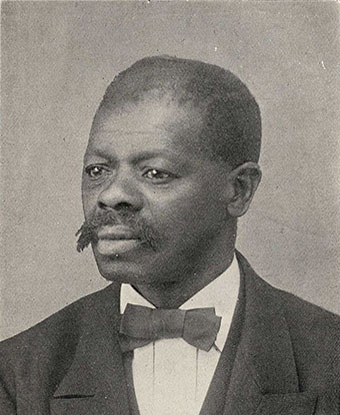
[{"x": 170, "y": 208}]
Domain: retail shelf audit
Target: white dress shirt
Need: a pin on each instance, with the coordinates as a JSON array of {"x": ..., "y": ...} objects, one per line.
[{"x": 170, "y": 376}]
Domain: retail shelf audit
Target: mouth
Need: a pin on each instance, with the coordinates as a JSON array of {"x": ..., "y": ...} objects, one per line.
[{"x": 116, "y": 240}]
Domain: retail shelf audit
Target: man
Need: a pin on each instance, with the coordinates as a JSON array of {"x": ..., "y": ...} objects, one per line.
[{"x": 186, "y": 327}]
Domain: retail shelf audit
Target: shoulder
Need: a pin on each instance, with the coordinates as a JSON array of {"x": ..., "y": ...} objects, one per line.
[
  {"x": 311, "y": 327},
  {"x": 314, "y": 331},
  {"x": 60, "y": 330},
  {"x": 42, "y": 355},
  {"x": 314, "y": 335},
  {"x": 307, "y": 322},
  {"x": 298, "y": 312},
  {"x": 310, "y": 316},
  {"x": 315, "y": 340}
]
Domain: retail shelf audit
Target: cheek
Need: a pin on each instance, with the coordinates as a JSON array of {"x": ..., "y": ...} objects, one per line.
[{"x": 192, "y": 211}]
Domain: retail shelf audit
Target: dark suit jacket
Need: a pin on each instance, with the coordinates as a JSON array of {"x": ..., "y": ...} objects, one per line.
[{"x": 287, "y": 359}]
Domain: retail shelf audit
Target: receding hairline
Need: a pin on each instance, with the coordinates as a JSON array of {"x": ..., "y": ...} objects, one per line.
[
  {"x": 233, "y": 121},
  {"x": 188, "y": 79}
]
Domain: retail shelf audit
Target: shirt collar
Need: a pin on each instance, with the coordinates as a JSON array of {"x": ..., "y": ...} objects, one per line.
[{"x": 221, "y": 293}]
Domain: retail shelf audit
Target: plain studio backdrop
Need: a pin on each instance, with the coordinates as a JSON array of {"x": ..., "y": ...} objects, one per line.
[{"x": 58, "y": 58}]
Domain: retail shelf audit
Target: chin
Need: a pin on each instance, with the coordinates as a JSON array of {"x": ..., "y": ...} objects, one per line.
[
  {"x": 137, "y": 267},
  {"x": 118, "y": 272},
  {"x": 122, "y": 271},
  {"x": 123, "y": 267},
  {"x": 134, "y": 273}
]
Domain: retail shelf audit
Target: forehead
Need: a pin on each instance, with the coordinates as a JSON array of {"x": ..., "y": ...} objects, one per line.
[{"x": 148, "y": 126}]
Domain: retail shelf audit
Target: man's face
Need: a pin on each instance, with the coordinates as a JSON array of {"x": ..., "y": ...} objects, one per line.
[{"x": 160, "y": 197}]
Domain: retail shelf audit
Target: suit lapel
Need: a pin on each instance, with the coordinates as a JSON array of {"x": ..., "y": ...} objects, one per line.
[
  {"x": 215, "y": 399},
  {"x": 263, "y": 379},
  {"x": 264, "y": 373},
  {"x": 95, "y": 383}
]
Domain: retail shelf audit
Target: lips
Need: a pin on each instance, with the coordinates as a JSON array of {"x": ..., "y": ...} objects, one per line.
[
  {"x": 115, "y": 240},
  {"x": 116, "y": 232}
]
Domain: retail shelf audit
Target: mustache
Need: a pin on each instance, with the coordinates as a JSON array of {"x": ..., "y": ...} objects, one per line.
[{"x": 87, "y": 234}]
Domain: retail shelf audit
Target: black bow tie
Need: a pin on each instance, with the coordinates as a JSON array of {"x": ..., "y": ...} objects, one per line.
[{"x": 142, "y": 325}]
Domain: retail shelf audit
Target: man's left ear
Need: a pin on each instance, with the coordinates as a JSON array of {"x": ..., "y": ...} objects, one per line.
[{"x": 243, "y": 181}]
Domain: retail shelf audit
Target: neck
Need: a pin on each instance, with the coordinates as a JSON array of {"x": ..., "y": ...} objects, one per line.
[{"x": 173, "y": 294}]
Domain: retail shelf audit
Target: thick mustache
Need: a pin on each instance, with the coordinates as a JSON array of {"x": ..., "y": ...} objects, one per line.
[{"x": 140, "y": 229}]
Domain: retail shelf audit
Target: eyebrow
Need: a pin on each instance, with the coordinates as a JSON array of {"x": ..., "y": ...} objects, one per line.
[{"x": 144, "y": 155}]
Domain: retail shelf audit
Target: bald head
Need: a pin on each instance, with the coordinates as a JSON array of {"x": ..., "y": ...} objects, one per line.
[{"x": 230, "y": 122}]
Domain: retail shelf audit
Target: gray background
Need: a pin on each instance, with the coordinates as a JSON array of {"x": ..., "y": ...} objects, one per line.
[{"x": 57, "y": 59}]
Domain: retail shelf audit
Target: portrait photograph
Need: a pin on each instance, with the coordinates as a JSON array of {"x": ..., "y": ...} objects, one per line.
[{"x": 170, "y": 204}]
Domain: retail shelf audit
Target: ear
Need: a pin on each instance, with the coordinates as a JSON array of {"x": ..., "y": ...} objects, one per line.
[{"x": 243, "y": 181}]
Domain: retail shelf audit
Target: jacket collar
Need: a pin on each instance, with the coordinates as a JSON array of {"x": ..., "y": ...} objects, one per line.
[
  {"x": 95, "y": 383},
  {"x": 263, "y": 379}
]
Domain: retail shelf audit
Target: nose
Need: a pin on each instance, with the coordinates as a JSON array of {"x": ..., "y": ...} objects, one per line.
[{"x": 120, "y": 195}]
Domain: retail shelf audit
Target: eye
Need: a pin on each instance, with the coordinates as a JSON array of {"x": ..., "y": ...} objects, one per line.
[
  {"x": 95, "y": 171},
  {"x": 159, "y": 176}
]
